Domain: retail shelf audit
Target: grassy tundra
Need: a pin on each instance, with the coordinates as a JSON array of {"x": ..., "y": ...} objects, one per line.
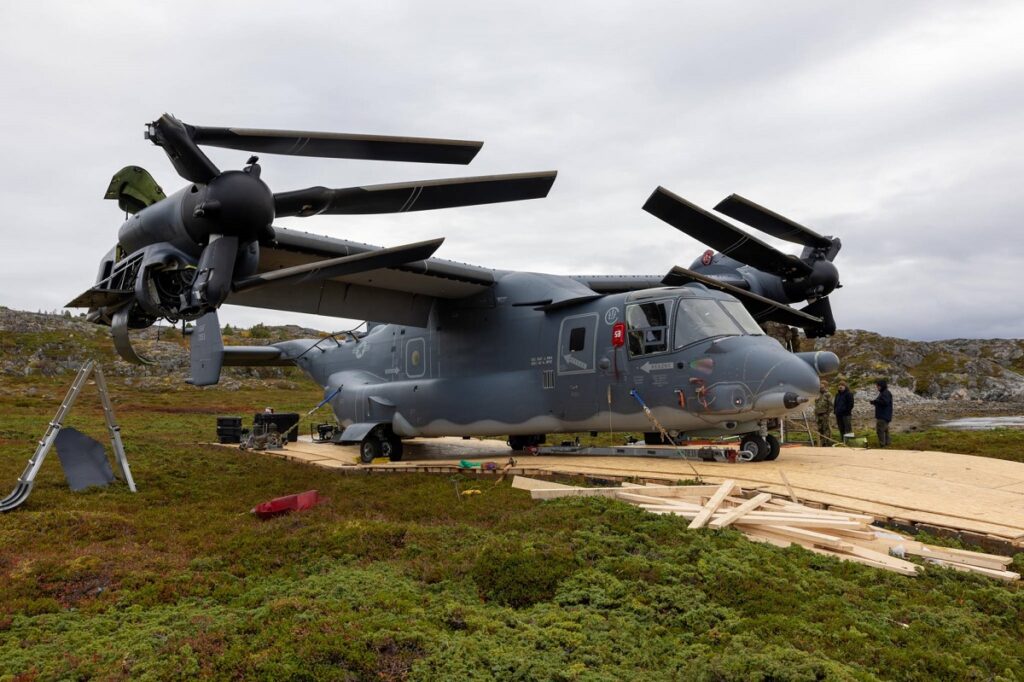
[{"x": 398, "y": 578}]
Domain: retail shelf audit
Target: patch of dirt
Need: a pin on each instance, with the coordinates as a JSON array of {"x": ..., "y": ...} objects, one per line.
[{"x": 74, "y": 590}]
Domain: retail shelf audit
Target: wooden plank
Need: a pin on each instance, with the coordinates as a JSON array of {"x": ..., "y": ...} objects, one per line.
[
  {"x": 815, "y": 538},
  {"x": 899, "y": 565},
  {"x": 550, "y": 493},
  {"x": 1008, "y": 576},
  {"x": 904, "y": 568},
  {"x": 709, "y": 509},
  {"x": 792, "y": 506},
  {"x": 792, "y": 495},
  {"x": 915, "y": 548},
  {"x": 733, "y": 514},
  {"x": 659, "y": 501},
  {"x": 683, "y": 491},
  {"x": 768, "y": 538},
  {"x": 856, "y": 534},
  {"x": 994, "y": 558},
  {"x": 524, "y": 483},
  {"x": 754, "y": 520}
]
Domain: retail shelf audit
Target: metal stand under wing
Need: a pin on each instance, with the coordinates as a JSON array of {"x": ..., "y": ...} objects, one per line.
[{"x": 28, "y": 476}]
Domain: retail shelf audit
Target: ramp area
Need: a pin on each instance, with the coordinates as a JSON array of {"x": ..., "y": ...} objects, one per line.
[{"x": 980, "y": 498}]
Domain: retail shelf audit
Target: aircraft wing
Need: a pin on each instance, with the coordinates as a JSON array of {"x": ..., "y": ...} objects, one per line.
[
  {"x": 402, "y": 294},
  {"x": 617, "y": 284}
]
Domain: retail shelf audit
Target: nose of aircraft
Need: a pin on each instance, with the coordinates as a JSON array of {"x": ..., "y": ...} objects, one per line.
[
  {"x": 790, "y": 381},
  {"x": 776, "y": 380},
  {"x": 791, "y": 373}
]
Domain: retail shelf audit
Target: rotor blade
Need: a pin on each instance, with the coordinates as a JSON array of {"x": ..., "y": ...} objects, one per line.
[
  {"x": 720, "y": 235},
  {"x": 122, "y": 342},
  {"x": 344, "y": 265},
  {"x": 760, "y": 308},
  {"x": 100, "y": 298},
  {"x": 821, "y": 308},
  {"x": 212, "y": 283},
  {"x": 770, "y": 222},
  {"x": 424, "y": 195},
  {"x": 338, "y": 145},
  {"x": 176, "y": 140}
]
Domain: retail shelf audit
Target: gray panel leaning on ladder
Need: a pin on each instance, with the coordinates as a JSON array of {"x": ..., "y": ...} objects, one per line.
[{"x": 28, "y": 477}]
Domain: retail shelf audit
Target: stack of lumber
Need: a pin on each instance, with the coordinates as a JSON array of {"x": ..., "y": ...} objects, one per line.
[{"x": 778, "y": 521}]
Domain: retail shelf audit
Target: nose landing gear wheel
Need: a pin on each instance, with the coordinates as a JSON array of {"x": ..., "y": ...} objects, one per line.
[
  {"x": 774, "y": 447},
  {"x": 369, "y": 449},
  {"x": 755, "y": 444}
]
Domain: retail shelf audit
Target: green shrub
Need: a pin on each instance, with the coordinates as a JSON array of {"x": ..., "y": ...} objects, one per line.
[{"x": 516, "y": 574}]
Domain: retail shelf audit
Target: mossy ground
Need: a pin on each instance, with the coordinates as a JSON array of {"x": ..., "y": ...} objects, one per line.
[{"x": 396, "y": 577}]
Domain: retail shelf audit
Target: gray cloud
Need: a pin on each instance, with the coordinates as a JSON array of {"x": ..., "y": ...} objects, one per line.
[{"x": 892, "y": 125}]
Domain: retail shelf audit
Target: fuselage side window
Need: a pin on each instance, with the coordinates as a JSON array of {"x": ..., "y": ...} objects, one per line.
[
  {"x": 647, "y": 327},
  {"x": 577, "y": 339}
]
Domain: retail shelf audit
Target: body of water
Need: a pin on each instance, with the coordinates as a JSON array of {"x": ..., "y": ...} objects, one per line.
[{"x": 984, "y": 423}]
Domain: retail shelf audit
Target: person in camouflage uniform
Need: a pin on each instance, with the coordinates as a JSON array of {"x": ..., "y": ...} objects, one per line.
[{"x": 823, "y": 413}]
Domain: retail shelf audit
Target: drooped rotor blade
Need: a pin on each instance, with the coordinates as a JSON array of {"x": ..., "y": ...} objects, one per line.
[
  {"x": 176, "y": 140},
  {"x": 344, "y": 265},
  {"x": 821, "y": 308},
  {"x": 760, "y": 308},
  {"x": 424, "y": 195},
  {"x": 212, "y": 282},
  {"x": 122, "y": 342},
  {"x": 770, "y": 222},
  {"x": 338, "y": 145},
  {"x": 721, "y": 236}
]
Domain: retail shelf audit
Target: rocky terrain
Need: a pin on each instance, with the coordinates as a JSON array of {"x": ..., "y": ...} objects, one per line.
[
  {"x": 44, "y": 344},
  {"x": 958, "y": 369}
]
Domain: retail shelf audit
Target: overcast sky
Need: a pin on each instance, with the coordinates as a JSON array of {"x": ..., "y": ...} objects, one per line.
[{"x": 897, "y": 126}]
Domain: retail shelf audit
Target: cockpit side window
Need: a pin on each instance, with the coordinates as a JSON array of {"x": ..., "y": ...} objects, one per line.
[
  {"x": 704, "y": 318},
  {"x": 647, "y": 327}
]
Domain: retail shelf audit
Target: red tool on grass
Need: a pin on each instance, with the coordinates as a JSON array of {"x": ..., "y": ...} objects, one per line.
[{"x": 288, "y": 503}]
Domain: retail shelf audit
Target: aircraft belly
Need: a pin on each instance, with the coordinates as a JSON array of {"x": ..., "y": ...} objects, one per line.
[{"x": 506, "y": 403}]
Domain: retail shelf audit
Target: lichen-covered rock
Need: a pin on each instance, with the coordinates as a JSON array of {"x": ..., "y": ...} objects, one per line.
[{"x": 958, "y": 369}]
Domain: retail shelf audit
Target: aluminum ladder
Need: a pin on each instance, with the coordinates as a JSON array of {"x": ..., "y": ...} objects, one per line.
[{"x": 28, "y": 476}]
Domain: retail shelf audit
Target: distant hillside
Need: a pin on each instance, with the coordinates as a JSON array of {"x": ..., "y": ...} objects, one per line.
[
  {"x": 49, "y": 344},
  {"x": 959, "y": 369}
]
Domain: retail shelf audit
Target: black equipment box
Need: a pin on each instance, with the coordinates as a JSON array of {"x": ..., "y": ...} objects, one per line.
[
  {"x": 284, "y": 421},
  {"x": 229, "y": 429}
]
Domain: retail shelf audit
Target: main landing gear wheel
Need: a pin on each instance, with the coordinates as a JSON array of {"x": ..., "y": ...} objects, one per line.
[
  {"x": 392, "y": 448},
  {"x": 757, "y": 446},
  {"x": 521, "y": 443},
  {"x": 380, "y": 443},
  {"x": 774, "y": 447}
]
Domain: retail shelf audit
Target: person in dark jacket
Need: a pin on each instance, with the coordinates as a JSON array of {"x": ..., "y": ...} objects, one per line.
[
  {"x": 844, "y": 409},
  {"x": 883, "y": 412}
]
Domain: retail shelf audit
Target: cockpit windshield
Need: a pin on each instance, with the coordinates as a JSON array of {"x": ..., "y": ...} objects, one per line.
[
  {"x": 705, "y": 318},
  {"x": 743, "y": 317}
]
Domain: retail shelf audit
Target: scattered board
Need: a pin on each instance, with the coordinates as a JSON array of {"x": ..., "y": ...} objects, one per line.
[{"x": 848, "y": 536}]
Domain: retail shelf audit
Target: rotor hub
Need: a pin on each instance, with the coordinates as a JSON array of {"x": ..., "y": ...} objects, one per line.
[{"x": 235, "y": 203}]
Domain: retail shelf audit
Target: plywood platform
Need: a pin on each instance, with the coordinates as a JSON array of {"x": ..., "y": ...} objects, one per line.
[{"x": 936, "y": 490}]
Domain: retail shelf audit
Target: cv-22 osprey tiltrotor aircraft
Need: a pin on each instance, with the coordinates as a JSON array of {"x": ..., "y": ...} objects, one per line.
[{"x": 456, "y": 349}]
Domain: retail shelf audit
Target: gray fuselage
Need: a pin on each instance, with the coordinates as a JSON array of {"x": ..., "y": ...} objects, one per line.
[{"x": 494, "y": 364}]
